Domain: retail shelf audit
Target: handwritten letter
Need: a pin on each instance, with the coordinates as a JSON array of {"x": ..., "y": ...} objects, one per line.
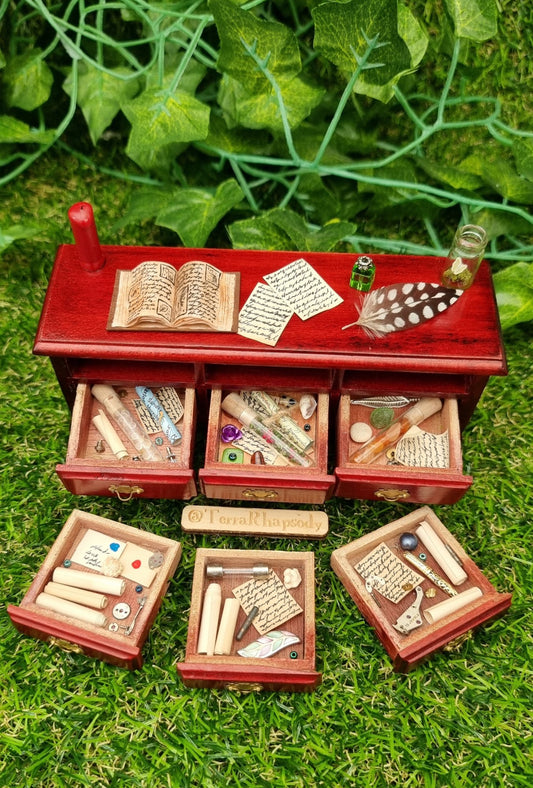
[
  {"x": 399, "y": 579},
  {"x": 422, "y": 449},
  {"x": 264, "y": 315},
  {"x": 276, "y": 605},
  {"x": 299, "y": 284},
  {"x": 95, "y": 547}
]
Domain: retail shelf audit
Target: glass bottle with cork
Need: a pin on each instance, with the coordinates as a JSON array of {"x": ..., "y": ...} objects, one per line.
[{"x": 464, "y": 257}]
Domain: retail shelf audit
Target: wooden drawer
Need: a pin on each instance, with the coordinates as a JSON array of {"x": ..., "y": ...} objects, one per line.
[
  {"x": 69, "y": 633},
  {"x": 434, "y": 632},
  {"x": 283, "y": 482},
  {"x": 293, "y": 667},
  {"x": 380, "y": 480},
  {"x": 89, "y": 472}
]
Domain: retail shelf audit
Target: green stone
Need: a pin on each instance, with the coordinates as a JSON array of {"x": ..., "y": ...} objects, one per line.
[{"x": 381, "y": 418}]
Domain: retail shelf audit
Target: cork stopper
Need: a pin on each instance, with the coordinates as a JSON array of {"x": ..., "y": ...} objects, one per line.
[
  {"x": 235, "y": 406},
  {"x": 423, "y": 409}
]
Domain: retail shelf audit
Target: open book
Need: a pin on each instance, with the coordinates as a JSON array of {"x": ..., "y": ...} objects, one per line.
[{"x": 156, "y": 296}]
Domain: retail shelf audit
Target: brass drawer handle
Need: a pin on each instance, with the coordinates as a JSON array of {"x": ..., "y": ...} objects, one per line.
[
  {"x": 244, "y": 686},
  {"x": 261, "y": 494},
  {"x": 392, "y": 495},
  {"x": 65, "y": 645},
  {"x": 125, "y": 492}
]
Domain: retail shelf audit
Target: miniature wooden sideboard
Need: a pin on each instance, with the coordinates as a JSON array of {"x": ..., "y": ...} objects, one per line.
[{"x": 451, "y": 356}]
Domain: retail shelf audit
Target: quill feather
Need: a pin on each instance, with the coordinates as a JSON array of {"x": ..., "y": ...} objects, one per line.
[{"x": 400, "y": 306}]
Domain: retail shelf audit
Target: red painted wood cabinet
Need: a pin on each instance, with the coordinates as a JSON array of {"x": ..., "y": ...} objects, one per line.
[{"x": 451, "y": 356}]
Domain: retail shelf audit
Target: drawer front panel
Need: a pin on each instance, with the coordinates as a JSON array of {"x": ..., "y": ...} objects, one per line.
[
  {"x": 265, "y": 492},
  {"x": 408, "y": 488},
  {"x": 86, "y": 481}
]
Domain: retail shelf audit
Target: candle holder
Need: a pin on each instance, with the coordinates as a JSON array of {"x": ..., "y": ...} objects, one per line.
[{"x": 464, "y": 257}]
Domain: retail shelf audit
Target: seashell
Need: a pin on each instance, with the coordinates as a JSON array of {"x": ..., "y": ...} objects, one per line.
[
  {"x": 360, "y": 432},
  {"x": 111, "y": 567},
  {"x": 291, "y": 578},
  {"x": 307, "y": 405}
]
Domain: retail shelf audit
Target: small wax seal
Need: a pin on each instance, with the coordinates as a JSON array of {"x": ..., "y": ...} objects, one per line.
[
  {"x": 360, "y": 432},
  {"x": 408, "y": 541},
  {"x": 111, "y": 567},
  {"x": 156, "y": 560},
  {"x": 430, "y": 593},
  {"x": 291, "y": 578},
  {"x": 230, "y": 433},
  {"x": 381, "y": 418}
]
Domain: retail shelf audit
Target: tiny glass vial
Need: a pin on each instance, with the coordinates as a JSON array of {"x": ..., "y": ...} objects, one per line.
[
  {"x": 363, "y": 273},
  {"x": 464, "y": 257}
]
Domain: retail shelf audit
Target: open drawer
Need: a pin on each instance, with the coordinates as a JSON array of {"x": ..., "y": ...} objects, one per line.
[
  {"x": 92, "y": 468},
  {"x": 230, "y": 470},
  {"x": 383, "y": 478},
  {"x": 284, "y": 598},
  {"x": 99, "y": 589}
]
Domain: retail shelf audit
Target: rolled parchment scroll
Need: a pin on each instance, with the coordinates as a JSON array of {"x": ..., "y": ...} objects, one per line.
[
  {"x": 209, "y": 624},
  {"x": 226, "y": 630},
  {"x": 452, "y": 605},
  {"x": 78, "y": 595},
  {"x": 71, "y": 609},
  {"x": 108, "y": 433},
  {"x": 434, "y": 545},
  {"x": 92, "y": 582}
]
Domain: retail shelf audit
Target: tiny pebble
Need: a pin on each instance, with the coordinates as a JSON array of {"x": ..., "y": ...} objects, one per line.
[{"x": 360, "y": 432}]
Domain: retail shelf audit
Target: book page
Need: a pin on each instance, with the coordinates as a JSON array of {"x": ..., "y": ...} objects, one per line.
[
  {"x": 150, "y": 291},
  {"x": 276, "y": 605},
  {"x": 421, "y": 449},
  {"x": 307, "y": 293},
  {"x": 198, "y": 292},
  {"x": 397, "y": 578},
  {"x": 264, "y": 315}
]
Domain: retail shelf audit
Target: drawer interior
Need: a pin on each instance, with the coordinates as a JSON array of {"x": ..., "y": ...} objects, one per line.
[
  {"x": 305, "y": 435},
  {"x": 290, "y": 609},
  {"x": 442, "y": 453},
  {"x": 88, "y": 447}
]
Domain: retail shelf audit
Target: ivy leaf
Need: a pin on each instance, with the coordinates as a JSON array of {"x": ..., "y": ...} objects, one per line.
[
  {"x": 457, "y": 177},
  {"x": 412, "y": 33},
  {"x": 497, "y": 223},
  {"x": 15, "y": 233},
  {"x": 15, "y": 131},
  {"x": 342, "y": 35},
  {"x": 476, "y": 20},
  {"x": 194, "y": 213},
  {"x": 523, "y": 157},
  {"x": 28, "y": 80},
  {"x": 514, "y": 294},
  {"x": 501, "y": 176},
  {"x": 100, "y": 95},
  {"x": 281, "y": 228},
  {"x": 253, "y": 110},
  {"x": 159, "y": 118},
  {"x": 274, "y": 44},
  {"x": 143, "y": 204}
]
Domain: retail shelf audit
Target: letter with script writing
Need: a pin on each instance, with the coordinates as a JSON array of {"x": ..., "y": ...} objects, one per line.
[
  {"x": 398, "y": 579},
  {"x": 264, "y": 315},
  {"x": 304, "y": 289},
  {"x": 276, "y": 605},
  {"x": 156, "y": 296}
]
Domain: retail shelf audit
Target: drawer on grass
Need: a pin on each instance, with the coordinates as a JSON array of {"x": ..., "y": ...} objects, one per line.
[
  {"x": 384, "y": 480},
  {"x": 283, "y": 482},
  {"x": 87, "y": 471},
  {"x": 108, "y": 641},
  {"x": 434, "y": 630},
  {"x": 290, "y": 669}
]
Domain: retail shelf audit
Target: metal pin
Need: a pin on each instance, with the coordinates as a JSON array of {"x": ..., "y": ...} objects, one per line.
[
  {"x": 129, "y": 629},
  {"x": 247, "y": 623}
]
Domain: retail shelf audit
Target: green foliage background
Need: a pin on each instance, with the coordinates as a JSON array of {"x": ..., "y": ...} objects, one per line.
[{"x": 281, "y": 124}]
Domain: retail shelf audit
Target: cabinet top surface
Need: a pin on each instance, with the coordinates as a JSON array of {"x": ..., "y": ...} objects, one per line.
[{"x": 465, "y": 339}]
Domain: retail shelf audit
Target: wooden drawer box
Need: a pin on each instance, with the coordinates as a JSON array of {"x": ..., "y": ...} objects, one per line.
[
  {"x": 292, "y": 668},
  {"x": 89, "y": 472},
  {"x": 109, "y": 641},
  {"x": 285, "y": 483},
  {"x": 432, "y": 633},
  {"x": 381, "y": 480}
]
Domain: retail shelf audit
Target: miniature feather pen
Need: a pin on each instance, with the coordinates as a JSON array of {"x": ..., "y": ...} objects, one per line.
[{"x": 400, "y": 306}]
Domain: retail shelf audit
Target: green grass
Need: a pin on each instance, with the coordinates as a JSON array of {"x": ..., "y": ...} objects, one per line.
[{"x": 462, "y": 719}]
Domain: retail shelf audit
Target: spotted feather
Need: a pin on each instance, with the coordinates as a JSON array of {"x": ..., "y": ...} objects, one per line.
[{"x": 401, "y": 306}]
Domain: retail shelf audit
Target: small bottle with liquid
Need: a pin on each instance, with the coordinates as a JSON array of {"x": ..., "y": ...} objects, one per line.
[
  {"x": 363, "y": 273},
  {"x": 464, "y": 257}
]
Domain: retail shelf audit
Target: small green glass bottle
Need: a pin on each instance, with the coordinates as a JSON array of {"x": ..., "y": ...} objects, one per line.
[{"x": 363, "y": 273}]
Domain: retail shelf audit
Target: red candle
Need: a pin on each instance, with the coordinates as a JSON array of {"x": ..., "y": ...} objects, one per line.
[{"x": 83, "y": 226}]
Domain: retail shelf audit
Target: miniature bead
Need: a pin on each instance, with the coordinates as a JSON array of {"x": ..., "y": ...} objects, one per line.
[{"x": 408, "y": 541}]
